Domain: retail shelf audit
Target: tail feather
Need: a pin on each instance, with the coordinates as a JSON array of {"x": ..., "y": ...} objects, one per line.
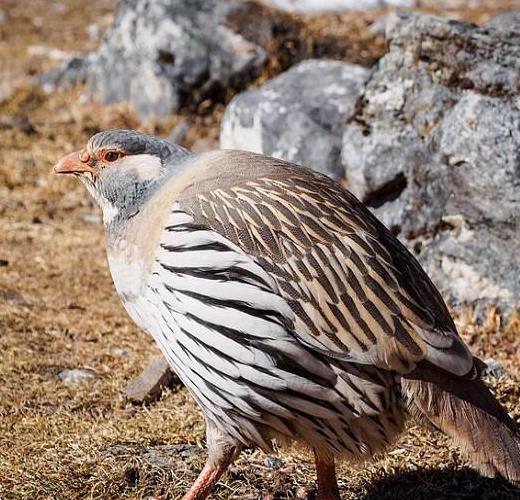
[{"x": 466, "y": 411}]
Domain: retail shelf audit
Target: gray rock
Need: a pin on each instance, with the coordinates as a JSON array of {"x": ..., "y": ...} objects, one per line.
[
  {"x": 160, "y": 53},
  {"x": 169, "y": 455},
  {"x": 337, "y": 5},
  {"x": 75, "y": 375},
  {"x": 273, "y": 463},
  {"x": 508, "y": 21},
  {"x": 495, "y": 369},
  {"x": 148, "y": 385},
  {"x": 434, "y": 149},
  {"x": 297, "y": 116}
]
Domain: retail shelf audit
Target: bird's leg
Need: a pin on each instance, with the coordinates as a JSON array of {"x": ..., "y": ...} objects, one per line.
[
  {"x": 221, "y": 453},
  {"x": 326, "y": 474},
  {"x": 207, "y": 479}
]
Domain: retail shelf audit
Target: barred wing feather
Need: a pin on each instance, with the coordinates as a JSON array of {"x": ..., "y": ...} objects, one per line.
[{"x": 354, "y": 292}]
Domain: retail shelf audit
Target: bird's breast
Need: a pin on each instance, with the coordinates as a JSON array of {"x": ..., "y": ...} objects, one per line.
[{"x": 127, "y": 271}]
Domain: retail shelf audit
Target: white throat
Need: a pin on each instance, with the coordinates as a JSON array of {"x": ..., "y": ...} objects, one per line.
[{"x": 109, "y": 211}]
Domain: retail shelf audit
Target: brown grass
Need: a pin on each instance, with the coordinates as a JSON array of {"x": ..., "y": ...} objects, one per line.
[{"x": 58, "y": 310}]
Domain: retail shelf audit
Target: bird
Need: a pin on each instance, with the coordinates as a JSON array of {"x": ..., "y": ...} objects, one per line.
[{"x": 286, "y": 308}]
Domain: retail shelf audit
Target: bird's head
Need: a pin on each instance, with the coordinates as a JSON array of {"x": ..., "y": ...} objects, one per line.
[{"x": 122, "y": 168}]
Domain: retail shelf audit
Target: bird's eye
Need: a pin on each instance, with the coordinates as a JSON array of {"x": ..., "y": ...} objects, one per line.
[{"x": 112, "y": 156}]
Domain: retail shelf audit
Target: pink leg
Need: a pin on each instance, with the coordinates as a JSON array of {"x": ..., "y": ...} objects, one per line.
[
  {"x": 326, "y": 474},
  {"x": 207, "y": 479},
  {"x": 221, "y": 453}
]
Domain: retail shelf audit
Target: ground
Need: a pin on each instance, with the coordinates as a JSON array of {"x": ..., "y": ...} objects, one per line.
[{"x": 58, "y": 310}]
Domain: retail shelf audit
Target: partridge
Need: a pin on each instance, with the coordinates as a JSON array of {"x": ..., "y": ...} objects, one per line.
[{"x": 287, "y": 309}]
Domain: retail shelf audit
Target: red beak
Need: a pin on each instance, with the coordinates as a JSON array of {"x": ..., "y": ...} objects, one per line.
[{"x": 73, "y": 163}]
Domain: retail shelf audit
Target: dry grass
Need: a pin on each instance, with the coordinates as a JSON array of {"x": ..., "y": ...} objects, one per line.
[{"x": 58, "y": 310}]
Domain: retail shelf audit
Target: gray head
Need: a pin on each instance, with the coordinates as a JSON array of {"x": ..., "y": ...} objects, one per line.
[{"x": 122, "y": 169}]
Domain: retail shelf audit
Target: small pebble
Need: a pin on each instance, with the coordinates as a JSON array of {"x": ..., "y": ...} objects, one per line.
[
  {"x": 118, "y": 352},
  {"x": 273, "y": 463},
  {"x": 494, "y": 368},
  {"x": 76, "y": 375},
  {"x": 91, "y": 218}
]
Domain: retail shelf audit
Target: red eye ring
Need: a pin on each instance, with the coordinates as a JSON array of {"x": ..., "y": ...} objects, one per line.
[{"x": 112, "y": 156}]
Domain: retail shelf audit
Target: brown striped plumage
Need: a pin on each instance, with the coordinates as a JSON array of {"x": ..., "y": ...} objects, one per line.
[
  {"x": 288, "y": 310},
  {"x": 357, "y": 293}
]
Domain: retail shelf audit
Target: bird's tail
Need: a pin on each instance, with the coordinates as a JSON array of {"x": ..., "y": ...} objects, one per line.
[{"x": 466, "y": 411}]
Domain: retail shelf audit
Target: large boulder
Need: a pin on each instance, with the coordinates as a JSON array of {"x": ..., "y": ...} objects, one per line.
[
  {"x": 298, "y": 116},
  {"x": 159, "y": 53},
  {"x": 434, "y": 149}
]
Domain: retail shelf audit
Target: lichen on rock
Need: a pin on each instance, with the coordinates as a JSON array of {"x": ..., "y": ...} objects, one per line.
[{"x": 436, "y": 135}]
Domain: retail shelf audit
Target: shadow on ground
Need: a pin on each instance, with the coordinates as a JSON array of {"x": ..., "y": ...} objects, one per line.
[
  {"x": 433, "y": 484},
  {"x": 167, "y": 470}
]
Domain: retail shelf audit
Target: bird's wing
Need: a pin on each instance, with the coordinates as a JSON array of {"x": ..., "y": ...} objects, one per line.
[{"x": 355, "y": 292}]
